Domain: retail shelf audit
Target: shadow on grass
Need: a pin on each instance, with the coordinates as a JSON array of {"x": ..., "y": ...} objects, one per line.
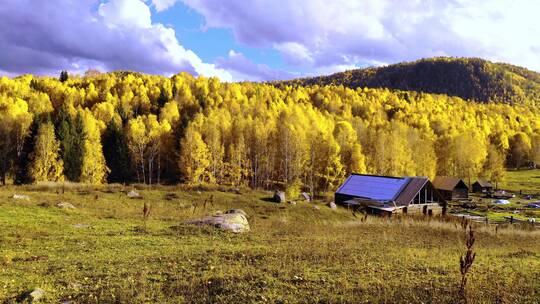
[{"x": 269, "y": 200}]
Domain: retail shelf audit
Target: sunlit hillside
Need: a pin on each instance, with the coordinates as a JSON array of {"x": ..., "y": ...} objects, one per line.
[
  {"x": 130, "y": 127},
  {"x": 469, "y": 78}
]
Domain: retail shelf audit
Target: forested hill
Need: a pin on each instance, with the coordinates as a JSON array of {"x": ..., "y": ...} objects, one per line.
[
  {"x": 127, "y": 127},
  {"x": 468, "y": 78}
]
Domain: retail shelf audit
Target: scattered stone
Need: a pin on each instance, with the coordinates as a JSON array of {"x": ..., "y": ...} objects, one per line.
[
  {"x": 279, "y": 197},
  {"x": 292, "y": 202},
  {"x": 233, "y": 220},
  {"x": 80, "y": 226},
  {"x": 64, "y": 205},
  {"x": 237, "y": 211},
  {"x": 316, "y": 207},
  {"x": 32, "y": 296},
  {"x": 306, "y": 196},
  {"x": 21, "y": 197},
  {"x": 332, "y": 205},
  {"x": 133, "y": 194},
  {"x": 75, "y": 285},
  {"x": 236, "y": 191},
  {"x": 297, "y": 278}
]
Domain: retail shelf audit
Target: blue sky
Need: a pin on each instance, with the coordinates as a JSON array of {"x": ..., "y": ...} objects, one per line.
[
  {"x": 213, "y": 43},
  {"x": 259, "y": 40}
]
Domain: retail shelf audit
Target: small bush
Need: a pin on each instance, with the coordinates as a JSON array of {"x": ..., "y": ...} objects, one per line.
[{"x": 294, "y": 190}]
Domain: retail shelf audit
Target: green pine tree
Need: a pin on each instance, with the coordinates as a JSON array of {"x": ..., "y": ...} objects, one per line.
[
  {"x": 64, "y": 76},
  {"x": 71, "y": 136},
  {"x": 116, "y": 152},
  {"x": 22, "y": 174}
]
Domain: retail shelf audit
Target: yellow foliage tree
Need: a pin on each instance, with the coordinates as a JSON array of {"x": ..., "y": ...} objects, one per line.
[
  {"x": 94, "y": 169},
  {"x": 15, "y": 122},
  {"x": 46, "y": 163},
  {"x": 263, "y": 135},
  {"x": 194, "y": 161},
  {"x": 358, "y": 160},
  {"x": 469, "y": 155},
  {"x": 137, "y": 143},
  {"x": 494, "y": 167}
]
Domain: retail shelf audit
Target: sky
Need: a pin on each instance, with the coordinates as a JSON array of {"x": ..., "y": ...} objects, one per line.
[{"x": 259, "y": 40}]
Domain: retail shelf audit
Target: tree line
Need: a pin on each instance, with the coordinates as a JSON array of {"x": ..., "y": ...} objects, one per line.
[{"x": 125, "y": 127}]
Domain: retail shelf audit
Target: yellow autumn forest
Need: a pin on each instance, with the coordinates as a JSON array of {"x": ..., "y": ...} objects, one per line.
[{"x": 128, "y": 127}]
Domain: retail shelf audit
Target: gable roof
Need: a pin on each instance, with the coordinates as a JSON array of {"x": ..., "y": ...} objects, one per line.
[
  {"x": 448, "y": 183},
  {"x": 411, "y": 190},
  {"x": 379, "y": 188},
  {"x": 400, "y": 190},
  {"x": 484, "y": 184}
]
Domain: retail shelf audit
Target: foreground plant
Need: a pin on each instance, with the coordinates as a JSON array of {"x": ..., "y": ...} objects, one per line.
[
  {"x": 146, "y": 213},
  {"x": 466, "y": 261}
]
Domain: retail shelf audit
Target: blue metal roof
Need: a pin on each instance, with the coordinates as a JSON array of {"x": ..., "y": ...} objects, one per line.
[{"x": 380, "y": 188}]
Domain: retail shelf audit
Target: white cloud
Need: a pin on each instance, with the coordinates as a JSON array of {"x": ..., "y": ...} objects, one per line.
[
  {"x": 126, "y": 13},
  {"x": 133, "y": 14},
  {"x": 70, "y": 35},
  {"x": 295, "y": 53},
  {"x": 243, "y": 69},
  {"x": 344, "y": 32}
]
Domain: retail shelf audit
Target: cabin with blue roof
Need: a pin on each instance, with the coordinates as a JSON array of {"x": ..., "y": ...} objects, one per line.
[{"x": 389, "y": 195}]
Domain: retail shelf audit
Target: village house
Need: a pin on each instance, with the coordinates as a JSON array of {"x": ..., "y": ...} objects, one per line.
[
  {"x": 389, "y": 195},
  {"x": 482, "y": 186},
  {"x": 451, "y": 188}
]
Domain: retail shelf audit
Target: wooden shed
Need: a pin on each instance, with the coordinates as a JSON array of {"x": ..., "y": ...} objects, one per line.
[
  {"x": 389, "y": 195},
  {"x": 451, "y": 188},
  {"x": 482, "y": 186}
]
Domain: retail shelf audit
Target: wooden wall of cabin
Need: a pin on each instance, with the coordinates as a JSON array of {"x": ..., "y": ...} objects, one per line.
[{"x": 460, "y": 193}]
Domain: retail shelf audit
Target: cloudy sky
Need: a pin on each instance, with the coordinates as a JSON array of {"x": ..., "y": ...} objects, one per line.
[{"x": 259, "y": 39}]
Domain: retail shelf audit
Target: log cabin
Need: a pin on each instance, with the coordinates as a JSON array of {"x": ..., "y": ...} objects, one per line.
[{"x": 388, "y": 195}]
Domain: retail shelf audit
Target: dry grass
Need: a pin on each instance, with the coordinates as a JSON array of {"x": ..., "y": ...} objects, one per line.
[{"x": 294, "y": 254}]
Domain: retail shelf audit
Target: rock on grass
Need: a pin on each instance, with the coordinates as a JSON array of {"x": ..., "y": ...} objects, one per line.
[
  {"x": 32, "y": 296},
  {"x": 20, "y": 197},
  {"x": 64, "y": 205},
  {"x": 234, "y": 220},
  {"x": 279, "y": 197},
  {"x": 133, "y": 194}
]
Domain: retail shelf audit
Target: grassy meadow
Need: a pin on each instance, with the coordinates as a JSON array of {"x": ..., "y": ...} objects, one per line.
[
  {"x": 528, "y": 181},
  {"x": 101, "y": 253}
]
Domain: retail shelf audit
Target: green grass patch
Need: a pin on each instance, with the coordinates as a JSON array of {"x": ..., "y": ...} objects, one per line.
[
  {"x": 528, "y": 181},
  {"x": 98, "y": 253}
]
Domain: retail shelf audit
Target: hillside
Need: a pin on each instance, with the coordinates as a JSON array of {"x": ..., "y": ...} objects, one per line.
[
  {"x": 100, "y": 252},
  {"x": 468, "y": 78},
  {"x": 126, "y": 127}
]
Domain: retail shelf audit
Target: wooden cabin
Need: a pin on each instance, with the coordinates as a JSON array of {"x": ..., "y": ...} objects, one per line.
[
  {"x": 482, "y": 186},
  {"x": 389, "y": 195},
  {"x": 451, "y": 188}
]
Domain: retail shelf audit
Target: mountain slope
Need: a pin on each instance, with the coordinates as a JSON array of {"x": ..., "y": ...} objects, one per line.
[{"x": 468, "y": 78}]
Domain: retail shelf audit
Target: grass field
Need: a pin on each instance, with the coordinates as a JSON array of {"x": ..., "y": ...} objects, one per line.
[
  {"x": 522, "y": 183},
  {"x": 99, "y": 253},
  {"x": 528, "y": 181}
]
